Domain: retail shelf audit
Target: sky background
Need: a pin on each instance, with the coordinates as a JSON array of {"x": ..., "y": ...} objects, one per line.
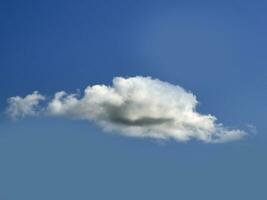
[{"x": 217, "y": 50}]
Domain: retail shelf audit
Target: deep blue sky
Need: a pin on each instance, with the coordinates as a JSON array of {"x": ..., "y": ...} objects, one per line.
[{"x": 217, "y": 50}]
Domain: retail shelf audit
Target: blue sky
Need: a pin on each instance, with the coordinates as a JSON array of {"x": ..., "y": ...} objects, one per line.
[{"x": 216, "y": 50}]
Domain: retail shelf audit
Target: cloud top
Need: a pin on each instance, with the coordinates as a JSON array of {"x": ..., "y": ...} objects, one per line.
[{"x": 136, "y": 106}]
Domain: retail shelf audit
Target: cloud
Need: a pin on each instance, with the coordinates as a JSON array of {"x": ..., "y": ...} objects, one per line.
[
  {"x": 27, "y": 106},
  {"x": 137, "y": 107}
]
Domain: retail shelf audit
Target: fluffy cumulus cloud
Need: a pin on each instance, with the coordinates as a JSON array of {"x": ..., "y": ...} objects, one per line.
[
  {"x": 137, "y": 107},
  {"x": 24, "y": 106}
]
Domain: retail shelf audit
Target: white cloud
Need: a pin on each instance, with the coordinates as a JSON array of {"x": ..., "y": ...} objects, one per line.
[
  {"x": 137, "y": 107},
  {"x": 21, "y": 107}
]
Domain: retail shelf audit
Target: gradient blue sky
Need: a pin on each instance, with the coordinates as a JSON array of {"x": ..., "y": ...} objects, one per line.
[{"x": 217, "y": 50}]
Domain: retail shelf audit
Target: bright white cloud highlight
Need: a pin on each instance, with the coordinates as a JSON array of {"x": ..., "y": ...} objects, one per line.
[{"x": 136, "y": 106}]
